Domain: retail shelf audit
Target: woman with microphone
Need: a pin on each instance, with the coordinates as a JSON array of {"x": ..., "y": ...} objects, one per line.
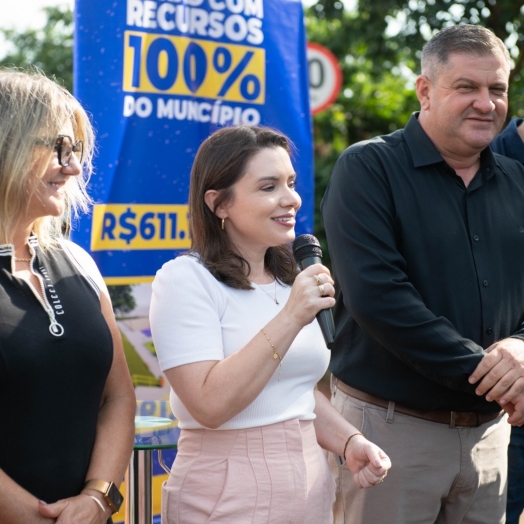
[{"x": 234, "y": 328}]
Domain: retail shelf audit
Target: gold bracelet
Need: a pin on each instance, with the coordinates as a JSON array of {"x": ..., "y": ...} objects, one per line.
[
  {"x": 275, "y": 353},
  {"x": 347, "y": 442},
  {"x": 97, "y": 501}
]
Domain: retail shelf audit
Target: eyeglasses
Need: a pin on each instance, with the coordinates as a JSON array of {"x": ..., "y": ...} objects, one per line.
[{"x": 64, "y": 147}]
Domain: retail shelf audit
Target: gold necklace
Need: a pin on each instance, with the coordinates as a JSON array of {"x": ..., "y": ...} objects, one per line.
[
  {"x": 23, "y": 259},
  {"x": 272, "y": 298}
]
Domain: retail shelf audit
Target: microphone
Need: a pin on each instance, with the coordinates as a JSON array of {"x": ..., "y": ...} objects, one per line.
[{"x": 306, "y": 250}]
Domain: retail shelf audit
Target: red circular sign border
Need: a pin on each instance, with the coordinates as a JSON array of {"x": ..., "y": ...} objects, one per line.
[{"x": 338, "y": 74}]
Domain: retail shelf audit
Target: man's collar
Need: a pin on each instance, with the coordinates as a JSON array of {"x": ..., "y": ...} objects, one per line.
[
  {"x": 422, "y": 150},
  {"x": 424, "y": 153}
]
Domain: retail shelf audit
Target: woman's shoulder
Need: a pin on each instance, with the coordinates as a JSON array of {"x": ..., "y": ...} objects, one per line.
[
  {"x": 186, "y": 272},
  {"x": 182, "y": 266},
  {"x": 84, "y": 263},
  {"x": 186, "y": 289}
]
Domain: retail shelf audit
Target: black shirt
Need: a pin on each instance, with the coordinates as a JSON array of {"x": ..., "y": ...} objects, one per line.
[
  {"x": 428, "y": 272},
  {"x": 51, "y": 380}
]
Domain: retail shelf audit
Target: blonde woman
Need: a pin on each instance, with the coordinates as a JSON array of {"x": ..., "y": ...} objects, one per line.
[{"x": 66, "y": 399}]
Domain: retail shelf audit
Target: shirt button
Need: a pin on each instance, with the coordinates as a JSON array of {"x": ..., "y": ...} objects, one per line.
[
  {"x": 489, "y": 331},
  {"x": 485, "y": 283},
  {"x": 476, "y": 238}
]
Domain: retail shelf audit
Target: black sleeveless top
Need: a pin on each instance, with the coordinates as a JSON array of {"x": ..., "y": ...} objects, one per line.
[{"x": 53, "y": 368}]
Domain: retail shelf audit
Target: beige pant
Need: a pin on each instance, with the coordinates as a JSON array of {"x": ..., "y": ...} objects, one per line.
[{"x": 439, "y": 475}]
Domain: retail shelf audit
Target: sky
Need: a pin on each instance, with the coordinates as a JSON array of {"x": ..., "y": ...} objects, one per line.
[
  {"x": 28, "y": 14},
  {"x": 24, "y": 14}
]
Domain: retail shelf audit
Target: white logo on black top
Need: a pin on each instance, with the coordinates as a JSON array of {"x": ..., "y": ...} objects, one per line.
[{"x": 55, "y": 301}]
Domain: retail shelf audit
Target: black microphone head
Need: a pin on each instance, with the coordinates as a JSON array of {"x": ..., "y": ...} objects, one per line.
[{"x": 306, "y": 246}]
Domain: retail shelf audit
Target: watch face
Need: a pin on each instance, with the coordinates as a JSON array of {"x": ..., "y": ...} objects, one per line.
[{"x": 115, "y": 496}]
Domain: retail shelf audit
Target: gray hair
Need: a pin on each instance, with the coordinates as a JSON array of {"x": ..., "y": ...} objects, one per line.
[
  {"x": 33, "y": 106},
  {"x": 464, "y": 38}
]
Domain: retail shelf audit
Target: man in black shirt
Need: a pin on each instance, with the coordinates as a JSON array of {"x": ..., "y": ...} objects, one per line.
[{"x": 426, "y": 233}]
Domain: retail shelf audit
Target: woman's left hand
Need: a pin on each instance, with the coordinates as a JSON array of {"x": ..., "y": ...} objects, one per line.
[
  {"x": 81, "y": 509},
  {"x": 368, "y": 463}
]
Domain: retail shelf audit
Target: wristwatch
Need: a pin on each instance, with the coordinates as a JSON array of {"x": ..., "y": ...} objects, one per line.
[{"x": 110, "y": 492}]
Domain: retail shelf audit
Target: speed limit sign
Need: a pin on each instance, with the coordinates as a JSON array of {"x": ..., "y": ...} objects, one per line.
[{"x": 325, "y": 78}]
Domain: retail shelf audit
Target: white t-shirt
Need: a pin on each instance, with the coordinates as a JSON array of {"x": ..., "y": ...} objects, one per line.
[{"x": 194, "y": 317}]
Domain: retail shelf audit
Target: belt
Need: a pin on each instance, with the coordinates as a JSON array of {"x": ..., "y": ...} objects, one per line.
[{"x": 453, "y": 418}]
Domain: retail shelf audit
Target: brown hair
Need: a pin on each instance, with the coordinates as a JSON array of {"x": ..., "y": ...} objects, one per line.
[
  {"x": 468, "y": 39},
  {"x": 220, "y": 162}
]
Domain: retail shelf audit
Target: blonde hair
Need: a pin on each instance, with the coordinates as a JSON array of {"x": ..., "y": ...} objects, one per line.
[{"x": 31, "y": 107}]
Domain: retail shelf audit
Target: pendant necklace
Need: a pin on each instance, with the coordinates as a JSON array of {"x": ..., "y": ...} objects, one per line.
[{"x": 272, "y": 298}]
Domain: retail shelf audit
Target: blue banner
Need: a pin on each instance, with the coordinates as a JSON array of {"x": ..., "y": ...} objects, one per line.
[{"x": 158, "y": 77}]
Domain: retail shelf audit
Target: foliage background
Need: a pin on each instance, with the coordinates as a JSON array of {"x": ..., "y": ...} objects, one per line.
[{"x": 378, "y": 47}]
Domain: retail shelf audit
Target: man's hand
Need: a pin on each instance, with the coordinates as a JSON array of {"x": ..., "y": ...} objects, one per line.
[
  {"x": 501, "y": 375},
  {"x": 515, "y": 412},
  {"x": 75, "y": 510}
]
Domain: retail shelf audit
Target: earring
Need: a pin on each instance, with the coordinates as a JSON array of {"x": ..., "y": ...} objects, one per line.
[{"x": 223, "y": 222}]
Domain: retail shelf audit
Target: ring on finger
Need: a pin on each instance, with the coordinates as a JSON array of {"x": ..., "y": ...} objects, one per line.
[
  {"x": 321, "y": 289},
  {"x": 318, "y": 280}
]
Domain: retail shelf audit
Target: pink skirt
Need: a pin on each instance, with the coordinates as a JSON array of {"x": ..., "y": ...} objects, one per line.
[{"x": 275, "y": 474}]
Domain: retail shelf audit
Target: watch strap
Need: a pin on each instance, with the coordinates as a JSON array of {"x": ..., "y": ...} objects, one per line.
[{"x": 109, "y": 491}]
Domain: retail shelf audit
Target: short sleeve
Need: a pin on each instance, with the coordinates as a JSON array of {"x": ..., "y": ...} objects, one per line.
[
  {"x": 185, "y": 313},
  {"x": 86, "y": 265}
]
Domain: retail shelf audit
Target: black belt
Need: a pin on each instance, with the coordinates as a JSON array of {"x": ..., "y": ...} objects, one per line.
[{"x": 452, "y": 418}]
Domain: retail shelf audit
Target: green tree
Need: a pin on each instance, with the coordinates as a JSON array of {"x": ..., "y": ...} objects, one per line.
[
  {"x": 122, "y": 299},
  {"x": 391, "y": 30},
  {"x": 50, "y": 49},
  {"x": 378, "y": 46}
]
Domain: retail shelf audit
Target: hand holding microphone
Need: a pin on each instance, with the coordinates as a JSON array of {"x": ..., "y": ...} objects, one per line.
[{"x": 307, "y": 252}]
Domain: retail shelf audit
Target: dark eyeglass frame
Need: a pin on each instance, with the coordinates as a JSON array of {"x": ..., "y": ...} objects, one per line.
[{"x": 76, "y": 147}]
